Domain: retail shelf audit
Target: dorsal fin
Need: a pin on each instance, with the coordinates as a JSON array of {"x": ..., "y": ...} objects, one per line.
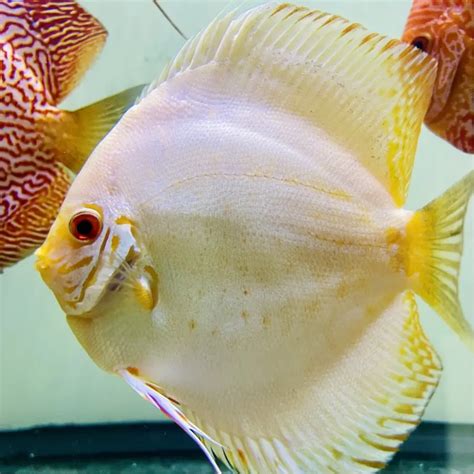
[
  {"x": 71, "y": 39},
  {"x": 367, "y": 92}
]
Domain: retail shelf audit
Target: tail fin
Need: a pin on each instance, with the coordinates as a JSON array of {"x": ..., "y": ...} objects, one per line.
[
  {"x": 436, "y": 237},
  {"x": 78, "y": 132}
]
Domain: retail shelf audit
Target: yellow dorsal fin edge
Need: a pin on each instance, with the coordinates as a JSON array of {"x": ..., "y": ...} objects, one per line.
[{"x": 369, "y": 93}]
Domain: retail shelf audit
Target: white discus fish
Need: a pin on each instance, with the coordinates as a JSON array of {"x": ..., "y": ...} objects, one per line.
[{"x": 237, "y": 250}]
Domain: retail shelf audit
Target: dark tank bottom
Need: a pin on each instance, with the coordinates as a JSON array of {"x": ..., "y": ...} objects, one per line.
[{"x": 434, "y": 448}]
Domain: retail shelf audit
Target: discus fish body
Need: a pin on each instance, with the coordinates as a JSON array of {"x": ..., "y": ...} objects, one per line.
[
  {"x": 445, "y": 30},
  {"x": 236, "y": 248},
  {"x": 45, "y": 48}
]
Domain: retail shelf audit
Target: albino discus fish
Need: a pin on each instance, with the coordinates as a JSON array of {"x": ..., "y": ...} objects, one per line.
[
  {"x": 445, "y": 30},
  {"x": 45, "y": 49},
  {"x": 236, "y": 248}
]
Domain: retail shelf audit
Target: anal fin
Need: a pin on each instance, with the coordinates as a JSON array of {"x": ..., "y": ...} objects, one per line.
[{"x": 355, "y": 418}]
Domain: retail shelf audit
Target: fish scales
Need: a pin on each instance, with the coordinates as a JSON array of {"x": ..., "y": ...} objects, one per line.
[
  {"x": 236, "y": 248},
  {"x": 45, "y": 48}
]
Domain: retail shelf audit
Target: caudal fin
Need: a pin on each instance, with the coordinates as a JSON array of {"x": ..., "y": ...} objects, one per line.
[
  {"x": 436, "y": 236},
  {"x": 77, "y": 133}
]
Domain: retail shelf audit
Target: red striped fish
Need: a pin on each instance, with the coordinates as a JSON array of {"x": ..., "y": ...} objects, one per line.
[
  {"x": 45, "y": 48},
  {"x": 445, "y": 29}
]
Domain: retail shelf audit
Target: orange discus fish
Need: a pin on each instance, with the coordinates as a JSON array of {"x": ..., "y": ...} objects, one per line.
[
  {"x": 45, "y": 49},
  {"x": 445, "y": 29}
]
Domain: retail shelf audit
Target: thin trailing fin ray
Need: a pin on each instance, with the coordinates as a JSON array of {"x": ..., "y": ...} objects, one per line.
[
  {"x": 376, "y": 398},
  {"x": 152, "y": 393}
]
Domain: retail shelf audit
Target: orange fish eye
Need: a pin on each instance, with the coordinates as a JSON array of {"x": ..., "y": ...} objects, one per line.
[
  {"x": 422, "y": 43},
  {"x": 85, "y": 226}
]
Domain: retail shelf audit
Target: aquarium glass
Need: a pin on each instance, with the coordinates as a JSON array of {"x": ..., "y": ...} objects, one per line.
[{"x": 47, "y": 379}]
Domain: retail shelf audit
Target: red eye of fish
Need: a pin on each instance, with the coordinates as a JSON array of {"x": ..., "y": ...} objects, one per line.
[
  {"x": 86, "y": 226},
  {"x": 422, "y": 43}
]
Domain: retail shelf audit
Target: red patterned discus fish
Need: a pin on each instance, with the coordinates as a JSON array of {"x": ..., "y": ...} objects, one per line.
[
  {"x": 445, "y": 29},
  {"x": 45, "y": 48}
]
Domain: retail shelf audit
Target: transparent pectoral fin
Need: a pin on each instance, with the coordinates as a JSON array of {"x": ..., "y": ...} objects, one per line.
[{"x": 153, "y": 394}]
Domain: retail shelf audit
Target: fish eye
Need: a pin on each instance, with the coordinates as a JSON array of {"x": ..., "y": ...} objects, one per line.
[
  {"x": 422, "y": 43},
  {"x": 85, "y": 226}
]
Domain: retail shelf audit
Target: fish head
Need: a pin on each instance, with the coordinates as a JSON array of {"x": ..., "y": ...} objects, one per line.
[
  {"x": 91, "y": 252},
  {"x": 442, "y": 30}
]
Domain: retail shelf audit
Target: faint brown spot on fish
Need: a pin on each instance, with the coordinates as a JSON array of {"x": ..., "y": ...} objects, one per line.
[
  {"x": 245, "y": 315},
  {"x": 266, "y": 321},
  {"x": 342, "y": 290},
  {"x": 215, "y": 332},
  {"x": 192, "y": 324},
  {"x": 246, "y": 292}
]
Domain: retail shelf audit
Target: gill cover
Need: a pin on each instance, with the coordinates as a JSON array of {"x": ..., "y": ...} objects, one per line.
[{"x": 78, "y": 268}]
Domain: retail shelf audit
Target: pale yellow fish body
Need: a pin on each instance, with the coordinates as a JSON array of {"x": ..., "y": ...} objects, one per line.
[{"x": 253, "y": 259}]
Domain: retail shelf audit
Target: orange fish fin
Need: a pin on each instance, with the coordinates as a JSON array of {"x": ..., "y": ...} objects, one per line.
[
  {"x": 351, "y": 419},
  {"x": 76, "y": 134},
  {"x": 72, "y": 38},
  {"x": 26, "y": 228}
]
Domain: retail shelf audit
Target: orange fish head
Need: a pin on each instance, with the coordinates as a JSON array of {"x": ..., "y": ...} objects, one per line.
[{"x": 441, "y": 30}]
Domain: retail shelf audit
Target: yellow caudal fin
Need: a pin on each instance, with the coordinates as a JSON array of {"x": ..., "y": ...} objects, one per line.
[
  {"x": 435, "y": 236},
  {"x": 77, "y": 133}
]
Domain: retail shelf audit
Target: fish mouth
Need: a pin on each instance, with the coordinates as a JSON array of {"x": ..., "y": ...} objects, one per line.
[{"x": 86, "y": 307}]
